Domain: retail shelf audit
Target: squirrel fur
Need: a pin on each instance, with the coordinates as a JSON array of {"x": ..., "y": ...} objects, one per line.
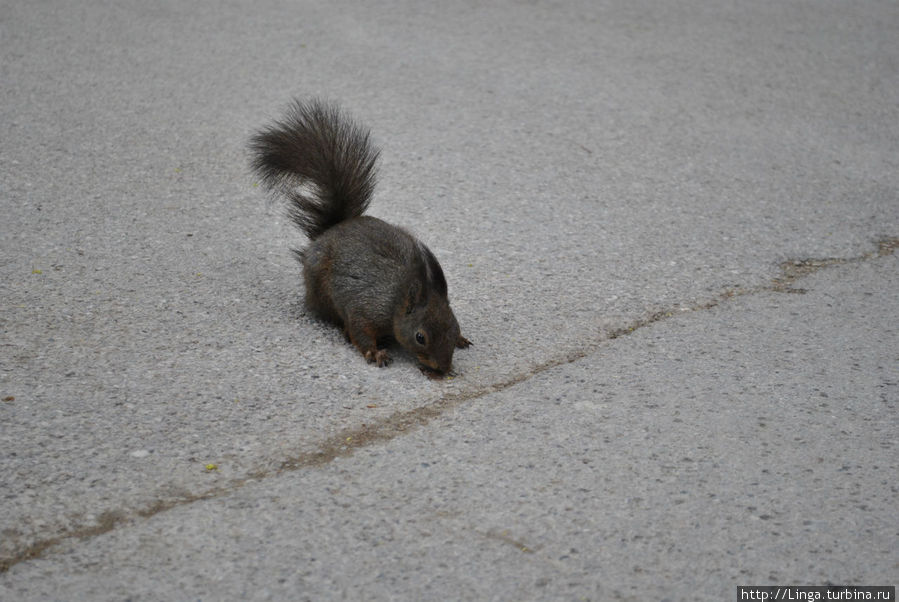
[{"x": 372, "y": 278}]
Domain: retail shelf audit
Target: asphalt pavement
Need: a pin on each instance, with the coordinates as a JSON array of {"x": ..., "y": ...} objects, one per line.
[{"x": 670, "y": 231}]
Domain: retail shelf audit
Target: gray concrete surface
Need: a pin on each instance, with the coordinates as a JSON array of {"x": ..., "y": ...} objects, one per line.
[{"x": 654, "y": 406}]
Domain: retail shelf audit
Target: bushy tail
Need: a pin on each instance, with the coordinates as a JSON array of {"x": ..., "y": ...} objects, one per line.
[{"x": 322, "y": 161}]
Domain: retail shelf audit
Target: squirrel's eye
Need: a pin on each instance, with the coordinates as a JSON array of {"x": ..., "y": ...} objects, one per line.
[{"x": 420, "y": 338}]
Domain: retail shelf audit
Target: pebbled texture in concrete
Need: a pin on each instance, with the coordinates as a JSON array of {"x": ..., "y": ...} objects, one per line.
[
  {"x": 749, "y": 443},
  {"x": 582, "y": 171}
]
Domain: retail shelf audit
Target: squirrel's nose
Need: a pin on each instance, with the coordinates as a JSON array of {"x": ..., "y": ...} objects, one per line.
[
  {"x": 445, "y": 365},
  {"x": 439, "y": 364}
]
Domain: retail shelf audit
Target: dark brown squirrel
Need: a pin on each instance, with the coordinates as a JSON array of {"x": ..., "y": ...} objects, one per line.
[{"x": 374, "y": 279}]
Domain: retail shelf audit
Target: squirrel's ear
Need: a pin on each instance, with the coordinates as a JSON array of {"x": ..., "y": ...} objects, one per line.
[
  {"x": 415, "y": 296},
  {"x": 431, "y": 271}
]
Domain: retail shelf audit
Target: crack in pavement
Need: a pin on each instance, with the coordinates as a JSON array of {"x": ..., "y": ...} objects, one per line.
[{"x": 348, "y": 441}]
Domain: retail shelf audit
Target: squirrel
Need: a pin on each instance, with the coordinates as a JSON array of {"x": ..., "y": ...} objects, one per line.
[{"x": 374, "y": 279}]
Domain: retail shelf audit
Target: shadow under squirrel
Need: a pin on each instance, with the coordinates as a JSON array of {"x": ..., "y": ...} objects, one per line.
[{"x": 374, "y": 279}]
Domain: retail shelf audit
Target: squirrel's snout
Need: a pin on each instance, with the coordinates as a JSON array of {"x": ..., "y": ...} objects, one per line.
[{"x": 443, "y": 367}]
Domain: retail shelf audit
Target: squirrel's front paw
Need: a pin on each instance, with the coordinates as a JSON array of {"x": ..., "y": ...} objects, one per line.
[
  {"x": 462, "y": 342},
  {"x": 377, "y": 356}
]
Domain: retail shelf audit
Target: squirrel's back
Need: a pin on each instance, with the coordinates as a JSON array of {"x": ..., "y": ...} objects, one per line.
[{"x": 322, "y": 161}]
